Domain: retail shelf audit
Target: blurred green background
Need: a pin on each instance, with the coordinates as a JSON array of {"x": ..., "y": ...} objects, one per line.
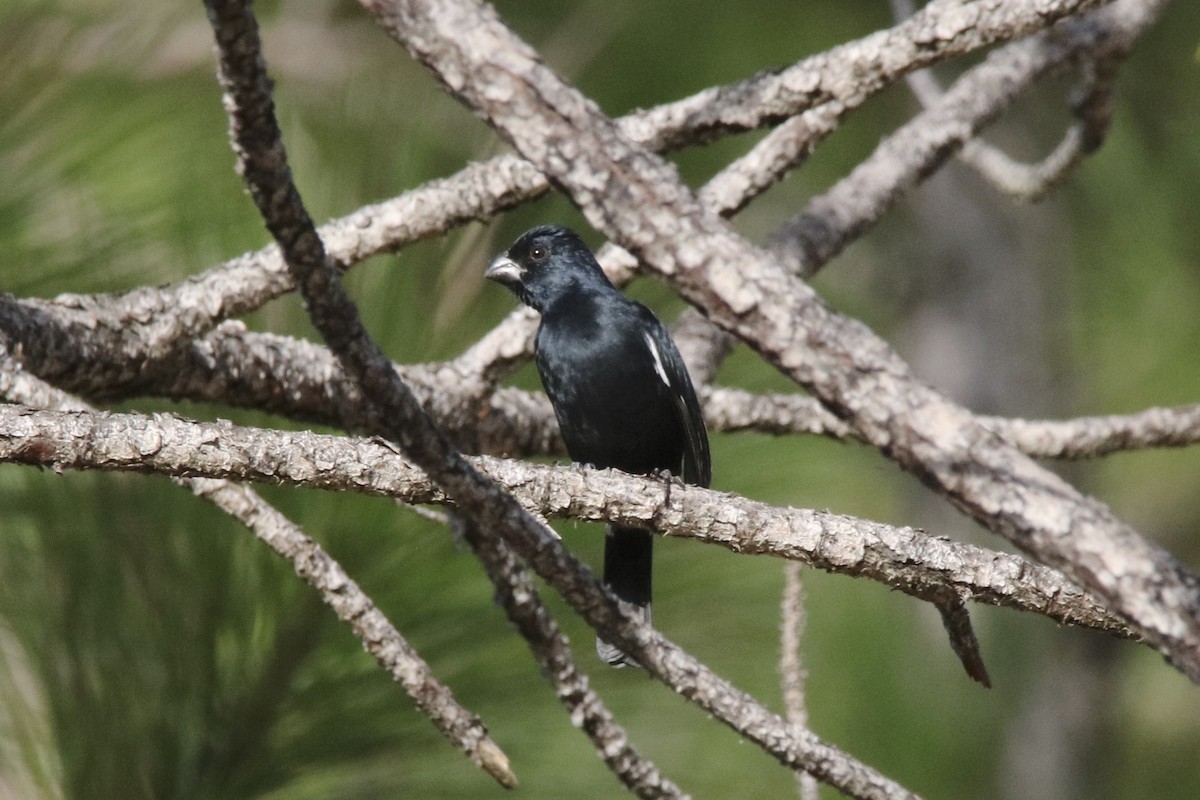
[{"x": 150, "y": 648}]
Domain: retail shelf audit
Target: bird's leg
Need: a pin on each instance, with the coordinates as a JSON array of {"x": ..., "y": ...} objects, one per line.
[{"x": 668, "y": 478}]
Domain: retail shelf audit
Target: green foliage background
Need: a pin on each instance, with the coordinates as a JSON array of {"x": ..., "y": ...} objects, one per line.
[{"x": 151, "y": 648}]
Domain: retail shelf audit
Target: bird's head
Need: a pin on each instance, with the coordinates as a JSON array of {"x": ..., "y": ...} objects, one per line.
[{"x": 544, "y": 264}]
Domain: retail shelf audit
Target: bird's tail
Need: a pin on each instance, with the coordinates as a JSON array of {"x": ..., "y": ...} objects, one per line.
[{"x": 628, "y": 563}]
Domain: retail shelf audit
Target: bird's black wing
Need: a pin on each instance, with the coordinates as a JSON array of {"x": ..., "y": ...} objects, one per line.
[{"x": 670, "y": 369}]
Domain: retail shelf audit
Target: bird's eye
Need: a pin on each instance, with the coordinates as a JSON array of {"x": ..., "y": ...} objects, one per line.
[{"x": 538, "y": 253}]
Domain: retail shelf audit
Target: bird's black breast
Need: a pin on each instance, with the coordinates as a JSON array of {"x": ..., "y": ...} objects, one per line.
[{"x": 613, "y": 406}]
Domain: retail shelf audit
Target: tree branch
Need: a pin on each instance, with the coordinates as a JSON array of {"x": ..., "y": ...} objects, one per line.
[
  {"x": 1031, "y": 182},
  {"x": 518, "y": 596},
  {"x": 352, "y": 606},
  {"x": 173, "y": 446},
  {"x": 301, "y": 381},
  {"x": 263, "y": 162},
  {"x": 312, "y": 563},
  {"x": 902, "y": 558},
  {"x": 1083, "y": 437},
  {"x": 915, "y": 151},
  {"x": 942, "y": 29},
  {"x": 148, "y": 322},
  {"x": 638, "y": 201}
]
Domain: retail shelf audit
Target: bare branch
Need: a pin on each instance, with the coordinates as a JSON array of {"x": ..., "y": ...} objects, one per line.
[
  {"x": 1026, "y": 183},
  {"x": 1030, "y": 182},
  {"x": 902, "y": 558},
  {"x": 1088, "y": 437},
  {"x": 519, "y": 598},
  {"x": 778, "y": 153},
  {"x": 916, "y": 149},
  {"x": 301, "y": 380},
  {"x": 312, "y": 563},
  {"x": 167, "y": 444},
  {"x": 263, "y": 163},
  {"x": 941, "y": 30},
  {"x": 1079, "y": 438},
  {"x": 149, "y": 322},
  {"x": 638, "y": 201},
  {"x": 379, "y": 637},
  {"x": 19, "y": 386},
  {"x": 791, "y": 667}
]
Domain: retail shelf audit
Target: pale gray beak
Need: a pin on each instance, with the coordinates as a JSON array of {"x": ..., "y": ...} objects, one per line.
[{"x": 505, "y": 271}]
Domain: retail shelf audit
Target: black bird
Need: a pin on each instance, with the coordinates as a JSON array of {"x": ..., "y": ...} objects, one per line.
[{"x": 618, "y": 385}]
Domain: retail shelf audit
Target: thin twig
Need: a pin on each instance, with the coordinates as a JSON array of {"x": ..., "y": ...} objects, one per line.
[
  {"x": 791, "y": 665},
  {"x": 1030, "y": 182},
  {"x": 379, "y": 637},
  {"x": 1079, "y": 438},
  {"x": 914, "y": 151},
  {"x": 519, "y": 598}
]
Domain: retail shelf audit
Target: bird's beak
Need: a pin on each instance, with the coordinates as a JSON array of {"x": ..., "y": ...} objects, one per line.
[{"x": 504, "y": 270}]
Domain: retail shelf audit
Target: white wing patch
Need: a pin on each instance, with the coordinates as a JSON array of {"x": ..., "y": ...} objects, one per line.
[{"x": 658, "y": 364}]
